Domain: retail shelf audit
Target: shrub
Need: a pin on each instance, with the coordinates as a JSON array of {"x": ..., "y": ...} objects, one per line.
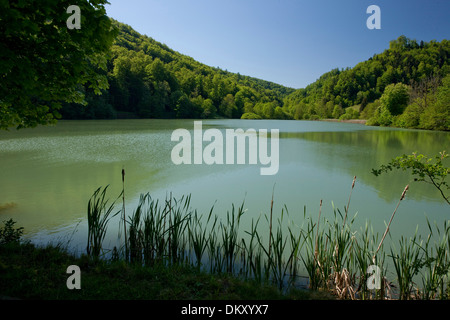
[
  {"x": 250, "y": 115},
  {"x": 411, "y": 117},
  {"x": 395, "y": 98},
  {"x": 10, "y": 234}
]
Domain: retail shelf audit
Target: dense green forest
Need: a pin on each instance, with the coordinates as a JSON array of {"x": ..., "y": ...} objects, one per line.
[
  {"x": 408, "y": 85},
  {"x": 149, "y": 80}
]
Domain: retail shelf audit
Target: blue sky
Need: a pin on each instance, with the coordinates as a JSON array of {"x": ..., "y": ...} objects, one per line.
[{"x": 290, "y": 42}]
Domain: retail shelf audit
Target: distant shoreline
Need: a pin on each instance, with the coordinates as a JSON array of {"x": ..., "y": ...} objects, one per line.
[{"x": 359, "y": 121}]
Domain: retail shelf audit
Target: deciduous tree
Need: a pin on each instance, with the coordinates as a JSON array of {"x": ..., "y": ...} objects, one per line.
[{"x": 43, "y": 63}]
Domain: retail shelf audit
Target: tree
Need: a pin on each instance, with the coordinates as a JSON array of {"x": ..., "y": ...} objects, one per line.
[
  {"x": 228, "y": 106},
  {"x": 437, "y": 116},
  {"x": 209, "y": 110},
  {"x": 395, "y": 98},
  {"x": 44, "y": 63},
  {"x": 337, "y": 112},
  {"x": 411, "y": 117}
]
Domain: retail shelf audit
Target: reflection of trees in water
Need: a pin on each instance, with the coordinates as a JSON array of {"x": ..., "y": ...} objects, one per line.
[{"x": 357, "y": 152}]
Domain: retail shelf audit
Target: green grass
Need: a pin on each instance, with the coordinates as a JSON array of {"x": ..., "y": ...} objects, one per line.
[{"x": 30, "y": 272}]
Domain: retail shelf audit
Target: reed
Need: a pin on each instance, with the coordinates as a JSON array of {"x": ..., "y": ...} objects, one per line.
[
  {"x": 123, "y": 212},
  {"x": 387, "y": 227},
  {"x": 253, "y": 251},
  {"x": 315, "y": 258},
  {"x": 230, "y": 236},
  {"x": 341, "y": 278},
  {"x": 179, "y": 216},
  {"x": 98, "y": 216},
  {"x": 363, "y": 259},
  {"x": 276, "y": 266},
  {"x": 335, "y": 257},
  {"x": 297, "y": 243},
  {"x": 216, "y": 261},
  {"x": 134, "y": 243},
  {"x": 407, "y": 264},
  {"x": 436, "y": 263},
  {"x": 348, "y": 203},
  {"x": 154, "y": 241},
  {"x": 198, "y": 237}
]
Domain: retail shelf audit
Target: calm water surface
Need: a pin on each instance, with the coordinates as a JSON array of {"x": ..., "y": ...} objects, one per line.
[{"x": 49, "y": 173}]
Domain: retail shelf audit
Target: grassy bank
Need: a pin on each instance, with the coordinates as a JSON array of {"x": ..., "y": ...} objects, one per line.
[{"x": 30, "y": 272}]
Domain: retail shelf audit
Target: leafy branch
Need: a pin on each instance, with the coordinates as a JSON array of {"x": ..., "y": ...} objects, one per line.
[{"x": 423, "y": 169}]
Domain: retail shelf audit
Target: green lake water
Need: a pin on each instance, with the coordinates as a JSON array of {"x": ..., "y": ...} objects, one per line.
[{"x": 49, "y": 173}]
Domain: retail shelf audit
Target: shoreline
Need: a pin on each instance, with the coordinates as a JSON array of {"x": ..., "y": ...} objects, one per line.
[{"x": 357, "y": 121}]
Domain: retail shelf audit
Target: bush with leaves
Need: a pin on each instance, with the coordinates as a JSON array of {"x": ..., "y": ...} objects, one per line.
[
  {"x": 10, "y": 234},
  {"x": 423, "y": 169}
]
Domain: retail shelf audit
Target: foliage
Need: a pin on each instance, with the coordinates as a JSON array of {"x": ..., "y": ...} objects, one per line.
[
  {"x": 405, "y": 63},
  {"x": 437, "y": 115},
  {"x": 98, "y": 216},
  {"x": 423, "y": 169},
  {"x": 149, "y": 80},
  {"x": 395, "y": 98},
  {"x": 10, "y": 234},
  {"x": 44, "y": 63},
  {"x": 349, "y": 114},
  {"x": 250, "y": 115}
]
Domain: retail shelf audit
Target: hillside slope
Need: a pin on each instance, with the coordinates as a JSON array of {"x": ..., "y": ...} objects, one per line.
[
  {"x": 147, "y": 79},
  {"x": 422, "y": 67}
]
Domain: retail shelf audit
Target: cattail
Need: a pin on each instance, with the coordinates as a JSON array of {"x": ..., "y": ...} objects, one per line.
[
  {"x": 404, "y": 192},
  {"x": 270, "y": 225},
  {"x": 123, "y": 212},
  {"x": 348, "y": 204},
  {"x": 392, "y": 217},
  {"x": 316, "y": 249}
]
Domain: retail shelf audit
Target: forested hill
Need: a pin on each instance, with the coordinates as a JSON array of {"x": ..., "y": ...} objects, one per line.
[
  {"x": 149, "y": 80},
  {"x": 418, "y": 73}
]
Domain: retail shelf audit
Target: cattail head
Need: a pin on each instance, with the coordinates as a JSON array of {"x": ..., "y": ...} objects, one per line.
[
  {"x": 123, "y": 174},
  {"x": 404, "y": 192},
  {"x": 353, "y": 184}
]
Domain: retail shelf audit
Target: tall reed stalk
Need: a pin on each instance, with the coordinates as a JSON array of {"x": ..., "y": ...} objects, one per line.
[
  {"x": 407, "y": 263},
  {"x": 389, "y": 224},
  {"x": 98, "y": 216},
  {"x": 363, "y": 258},
  {"x": 314, "y": 258},
  {"x": 123, "y": 212},
  {"x": 348, "y": 203},
  {"x": 436, "y": 262},
  {"x": 230, "y": 236}
]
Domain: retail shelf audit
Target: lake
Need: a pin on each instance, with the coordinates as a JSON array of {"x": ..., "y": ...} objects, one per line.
[{"x": 48, "y": 174}]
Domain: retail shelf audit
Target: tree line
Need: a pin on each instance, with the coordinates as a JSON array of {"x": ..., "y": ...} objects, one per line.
[
  {"x": 108, "y": 70},
  {"x": 407, "y": 86},
  {"x": 149, "y": 80}
]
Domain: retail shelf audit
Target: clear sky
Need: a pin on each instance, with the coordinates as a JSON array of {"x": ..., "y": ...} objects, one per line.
[{"x": 290, "y": 42}]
